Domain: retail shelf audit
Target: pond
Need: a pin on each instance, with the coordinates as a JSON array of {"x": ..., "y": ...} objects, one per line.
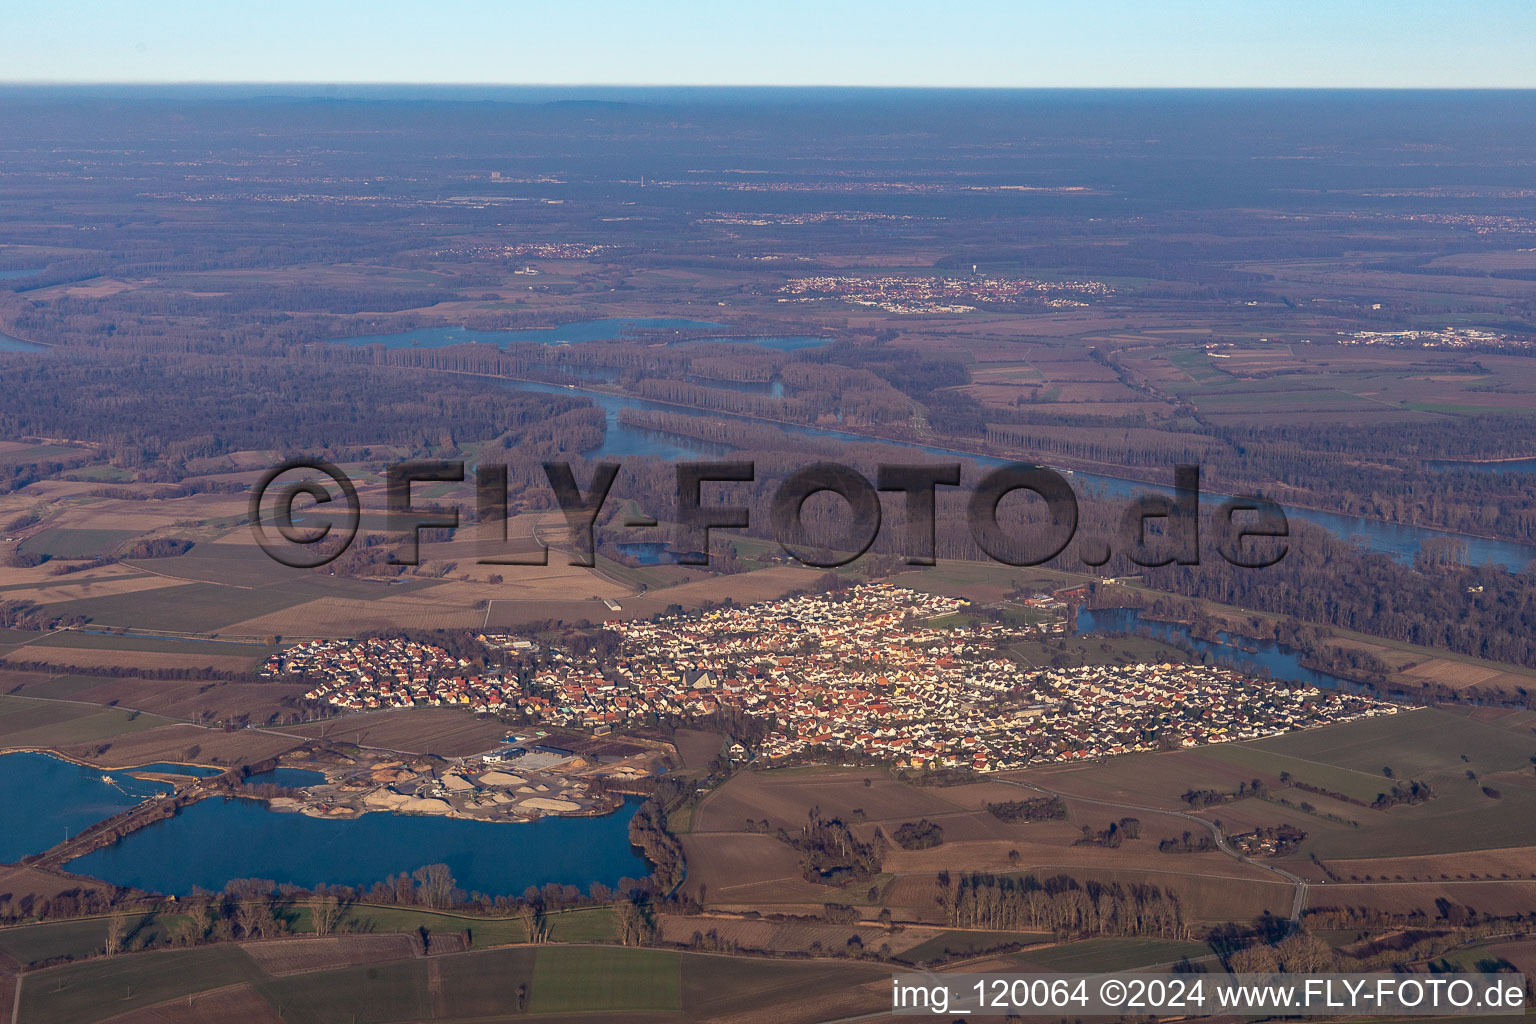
[{"x": 10, "y": 344}]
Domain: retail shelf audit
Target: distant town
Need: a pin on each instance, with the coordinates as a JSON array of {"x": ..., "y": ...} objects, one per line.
[
  {"x": 877, "y": 672},
  {"x": 907, "y": 294},
  {"x": 1450, "y": 338}
]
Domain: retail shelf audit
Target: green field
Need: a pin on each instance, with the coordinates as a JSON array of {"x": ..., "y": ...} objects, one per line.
[
  {"x": 1435, "y": 746},
  {"x": 66, "y": 543},
  {"x": 487, "y": 984},
  {"x": 377, "y": 994},
  {"x": 36, "y": 943},
  {"x": 1359, "y": 785},
  {"x": 1415, "y": 744},
  {"x": 1111, "y": 954},
  {"x": 38, "y": 453},
  {"x": 97, "y": 989},
  {"x": 714, "y": 985},
  {"x": 61, "y": 687},
  {"x": 948, "y": 945},
  {"x": 567, "y": 979},
  {"x": 80, "y": 640},
  {"x": 31, "y": 722},
  {"x": 476, "y": 986}
]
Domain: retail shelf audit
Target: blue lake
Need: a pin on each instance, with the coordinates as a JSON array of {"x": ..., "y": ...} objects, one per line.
[
  {"x": 294, "y": 778},
  {"x": 607, "y": 329},
  {"x": 216, "y": 840},
  {"x": 1257, "y": 657},
  {"x": 649, "y": 552},
  {"x": 44, "y": 800},
  {"x": 10, "y": 344},
  {"x": 11, "y": 275}
]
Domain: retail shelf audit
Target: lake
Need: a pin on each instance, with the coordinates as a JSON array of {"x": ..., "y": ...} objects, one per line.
[
  {"x": 607, "y": 329},
  {"x": 219, "y": 839},
  {"x": 650, "y": 552},
  {"x": 45, "y": 798},
  {"x": 10, "y": 344},
  {"x": 293, "y": 778}
]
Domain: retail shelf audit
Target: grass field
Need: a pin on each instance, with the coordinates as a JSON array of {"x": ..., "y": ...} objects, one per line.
[
  {"x": 952, "y": 944},
  {"x": 36, "y": 943},
  {"x": 95, "y": 990},
  {"x": 62, "y": 542},
  {"x": 81, "y": 640},
  {"x": 448, "y": 732},
  {"x": 567, "y": 983},
  {"x": 1111, "y": 954},
  {"x": 30, "y": 722},
  {"x": 1418, "y": 744},
  {"x": 575, "y": 978},
  {"x": 374, "y": 994},
  {"x": 1357, "y": 784},
  {"x": 484, "y": 984}
]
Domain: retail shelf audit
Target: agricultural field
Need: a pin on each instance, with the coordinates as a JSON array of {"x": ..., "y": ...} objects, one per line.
[
  {"x": 571, "y": 983},
  {"x": 1419, "y": 744},
  {"x": 98, "y": 989},
  {"x": 77, "y": 939},
  {"x": 1092, "y": 955},
  {"x": 191, "y": 699},
  {"x": 175, "y": 742},
  {"x": 783, "y": 796},
  {"x": 375, "y": 993},
  {"x": 948, "y": 945},
  {"x": 32, "y": 722},
  {"x": 588, "y": 978},
  {"x": 279, "y": 957},
  {"x": 67, "y": 543},
  {"x": 448, "y": 732}
]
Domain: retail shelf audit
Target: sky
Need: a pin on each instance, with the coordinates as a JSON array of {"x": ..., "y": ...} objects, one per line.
[{"x": 981, "y": 43}]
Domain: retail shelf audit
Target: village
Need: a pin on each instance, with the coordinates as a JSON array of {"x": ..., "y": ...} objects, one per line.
[
  {"x": 907, "y": 295},
  {"x": 876, "y": 672}
]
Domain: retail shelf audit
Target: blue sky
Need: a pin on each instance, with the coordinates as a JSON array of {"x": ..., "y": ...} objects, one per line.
[{"x": 1109, "y": 43}]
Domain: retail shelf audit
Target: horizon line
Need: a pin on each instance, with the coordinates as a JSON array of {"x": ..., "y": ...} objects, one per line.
[{"x": 328, "y": 84}]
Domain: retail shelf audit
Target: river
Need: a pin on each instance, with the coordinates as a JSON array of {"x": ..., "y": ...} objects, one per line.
[
  {"x": 1245, "y": 654},
  {"x": 1399, "y": 541}
]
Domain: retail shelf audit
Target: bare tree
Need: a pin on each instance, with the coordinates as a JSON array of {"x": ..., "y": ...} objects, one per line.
[
  {"x": 534, "y": 921},
  {"x": 117, "y": 927},
  {"x": 635, "y": 925},
  {"x": 436, "y": 884},
  {"x": 187, "y": 930},
  {"x": 251, "y": 917},
  {"x": 323, "y": 912}
]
